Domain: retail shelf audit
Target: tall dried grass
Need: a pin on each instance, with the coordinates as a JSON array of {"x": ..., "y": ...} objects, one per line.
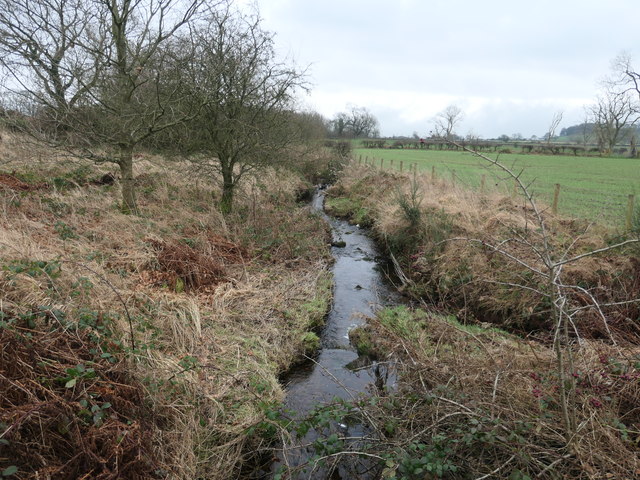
[
  {"x": 491, "y": 404},
  {"x": 451, "y": 261},
  {"x": 488, "y": 402},
  {"x": 207, "y": 356}
]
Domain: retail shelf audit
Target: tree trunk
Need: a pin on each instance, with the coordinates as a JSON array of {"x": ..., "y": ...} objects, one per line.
[
  {"x": 129, "y": 204},
  {"x": 226, "y": 202}
]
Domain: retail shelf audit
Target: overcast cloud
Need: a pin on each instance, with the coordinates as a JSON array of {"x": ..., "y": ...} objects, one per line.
[{"x": 509, "y": 65}]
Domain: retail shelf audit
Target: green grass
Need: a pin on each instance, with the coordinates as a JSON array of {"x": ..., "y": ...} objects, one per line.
[{"x": 594, "y": 188}]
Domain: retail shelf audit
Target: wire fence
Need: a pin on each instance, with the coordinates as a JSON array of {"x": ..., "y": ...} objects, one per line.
[{"x": 614, "y": 209}]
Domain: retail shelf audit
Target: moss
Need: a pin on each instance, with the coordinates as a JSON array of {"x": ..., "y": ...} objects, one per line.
[
  {"x": 311, "y": 314},
  {"x": 310, "y": 343},
  {"x": 351, "y": 209},
  {"x": 363, "y": 338},
  {"x": 343, "y": 207}
]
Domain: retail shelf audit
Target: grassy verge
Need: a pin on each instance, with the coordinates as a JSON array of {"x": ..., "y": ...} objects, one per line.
[
  {"x": 483, "y": 393},
  {"x": 148, "y": 346},
  {"x": 475, "y": 401}
]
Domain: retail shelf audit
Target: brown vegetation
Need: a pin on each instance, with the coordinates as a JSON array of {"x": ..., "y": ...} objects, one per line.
[
  {"x": 474, "y": 401},
  {"x": 185, "y": 317},
  {"x": 100, "y": 427},
  {"x": 487, "y": 403},
  {"x": 446, "y": 253}
]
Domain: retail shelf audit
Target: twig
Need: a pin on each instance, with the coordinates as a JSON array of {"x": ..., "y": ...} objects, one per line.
[{"x": 497, "y": 469}]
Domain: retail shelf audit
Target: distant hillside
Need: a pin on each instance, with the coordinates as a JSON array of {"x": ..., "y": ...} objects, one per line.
[
  {"x": 577, "y": 133},
  {"x": 580, "y": 129}
]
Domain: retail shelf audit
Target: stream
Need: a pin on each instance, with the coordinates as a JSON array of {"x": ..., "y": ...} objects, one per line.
[{"x": 360, "y": 288}]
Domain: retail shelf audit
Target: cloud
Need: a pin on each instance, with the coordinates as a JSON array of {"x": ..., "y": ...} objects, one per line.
[{"x": 510, "y": 65}]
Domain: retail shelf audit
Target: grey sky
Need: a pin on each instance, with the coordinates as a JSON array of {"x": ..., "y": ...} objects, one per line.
[{"x": 509, "y": 65}]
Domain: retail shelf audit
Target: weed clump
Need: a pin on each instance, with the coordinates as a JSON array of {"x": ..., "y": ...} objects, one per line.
[
  {"x": 182, "y": 268},
  {"x": 70, "y": 409}
]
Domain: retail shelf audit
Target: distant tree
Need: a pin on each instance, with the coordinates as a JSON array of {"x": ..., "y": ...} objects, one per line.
[
  {"x": 504, "y": 138},
  {"x": 581, "y": 133},
  {"x": 311, "y": 126},
  {"x": 355, "y": 123},
  {"x": 586, "y": 131},
  {"x": 447, "y": 120},
  {"x": 555, "y": 123},
  {"x": 626, "y": 78},
  {"x": 612, "y": 114},
  {"x": 629, "y": 80},
  {"x": 517, "y": 136},
  {"x": 472, "y": 137}
]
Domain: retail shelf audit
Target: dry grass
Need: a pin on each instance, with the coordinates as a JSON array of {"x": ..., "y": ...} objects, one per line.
[
  {"x": 215, "y": 312},
  {"x": 447, "y": 257},
  {"x": 485, "y": 401}
]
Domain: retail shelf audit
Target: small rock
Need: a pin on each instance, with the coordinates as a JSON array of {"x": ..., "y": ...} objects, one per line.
[{"x": 339, "y": 244}]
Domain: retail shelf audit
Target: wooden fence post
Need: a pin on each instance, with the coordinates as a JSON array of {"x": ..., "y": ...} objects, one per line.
[
  {"x": 630, "y": 205},
  {"x": 391, "y": 166},
  {"x": 483, "y": 181},
  {"x": 453, "y": 178},
  {"x": 556, "y": 196},
  {"x": 515, "y": 187},
  {"x": 359, "y": 159},
  {"x": 381, "y": 163},
  {"x": 433, "y": 173},
  {"x": 401, "y": 163}
]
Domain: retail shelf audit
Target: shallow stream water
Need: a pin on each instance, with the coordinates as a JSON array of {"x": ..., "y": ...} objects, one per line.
[{"x": 360, "y": 287}]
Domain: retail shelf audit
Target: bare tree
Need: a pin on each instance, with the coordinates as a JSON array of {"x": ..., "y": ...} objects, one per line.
[
  {"x": 625, "y": 76},
  {"x": 245, "y": 99},
  {"x": 613, "y": 112},
  {"x": 555, "y": 123},
  {"x": 586, "y": 130},
  {"x": 447, "y": 120},
  {"x": 628, "y": 80},
  {"x": 97, "y": 71},
  {"x": 41, "y": 53}
]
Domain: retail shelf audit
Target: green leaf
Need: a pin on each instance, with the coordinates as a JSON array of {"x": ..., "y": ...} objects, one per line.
[
  {"x": 12, "y": 470},
  {"x": 71, "y": 383}
]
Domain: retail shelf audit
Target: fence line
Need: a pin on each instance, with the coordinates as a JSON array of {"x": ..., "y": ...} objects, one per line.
[{"x": 630, "y": 210}]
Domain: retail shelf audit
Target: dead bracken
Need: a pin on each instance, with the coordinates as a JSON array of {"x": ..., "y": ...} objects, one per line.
[{"x": 66, "y": 412}]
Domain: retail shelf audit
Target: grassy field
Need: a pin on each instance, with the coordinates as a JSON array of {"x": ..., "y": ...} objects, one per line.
[{"x": 591, "y": 187}]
